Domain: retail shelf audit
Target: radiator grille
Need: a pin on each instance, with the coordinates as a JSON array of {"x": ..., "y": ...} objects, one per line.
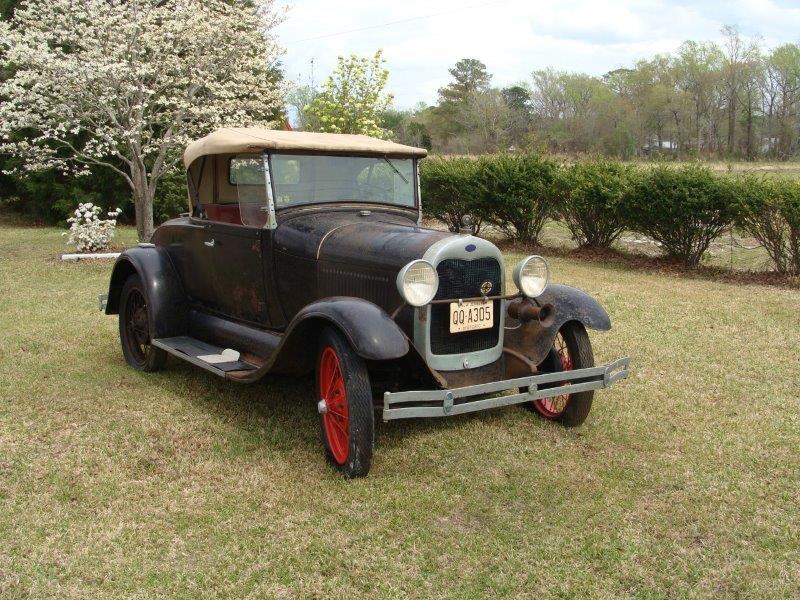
[
  {"x": 462, "y": 279},
  {"x": 336, "y": 280}
]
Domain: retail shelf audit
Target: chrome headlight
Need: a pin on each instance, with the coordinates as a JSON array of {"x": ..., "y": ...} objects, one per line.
[
  {"x": 418, "y": 282},
  {"x": 532, "y": 276}
]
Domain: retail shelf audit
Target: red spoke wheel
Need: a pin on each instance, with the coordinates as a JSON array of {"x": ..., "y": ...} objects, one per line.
[
  {"x": 335, "y": 419},
  {"x": 554, "y": 407},
  {"x": 345, "y": 406},
  {"x": 571, "y": 350},
  {"x": 134, "y": 329}
]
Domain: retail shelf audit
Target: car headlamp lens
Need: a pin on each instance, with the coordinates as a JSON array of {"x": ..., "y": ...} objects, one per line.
[
  {"x": 532, "y": 276},
  {"x": 418, "y": 282}
]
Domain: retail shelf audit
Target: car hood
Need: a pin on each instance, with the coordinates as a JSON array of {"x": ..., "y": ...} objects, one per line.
[{"x": 385, "y": 240}]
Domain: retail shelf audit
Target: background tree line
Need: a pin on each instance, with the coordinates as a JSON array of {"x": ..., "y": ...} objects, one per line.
[{"x": 733, "y": 99}]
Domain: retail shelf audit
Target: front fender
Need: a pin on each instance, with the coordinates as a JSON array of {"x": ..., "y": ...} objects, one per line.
[
  {"x": 573, "y": 304},
  {"x": 162, "y": 286},
  {"x": 371, "y": 332},
  {"x": 532, "y": 342}
]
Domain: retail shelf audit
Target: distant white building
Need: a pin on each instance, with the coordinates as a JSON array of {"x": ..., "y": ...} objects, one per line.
[{"x": 654, "y": 145}]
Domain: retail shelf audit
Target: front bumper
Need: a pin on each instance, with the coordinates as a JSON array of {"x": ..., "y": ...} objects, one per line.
[{"x": 458, "y": 401}]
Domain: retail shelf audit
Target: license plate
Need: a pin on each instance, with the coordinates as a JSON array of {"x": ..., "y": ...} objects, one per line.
[{"x": 468, "y": 316}]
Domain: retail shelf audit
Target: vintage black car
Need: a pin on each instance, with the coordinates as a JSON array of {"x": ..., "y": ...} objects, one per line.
[{"x": 304, "y": 252}]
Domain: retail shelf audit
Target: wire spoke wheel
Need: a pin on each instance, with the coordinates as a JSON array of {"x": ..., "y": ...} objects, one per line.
[
  {"x": 554, "y": 407},
  {"x": 572, "y": 350},
  {"x": 134, "y": 329},
  {"x": 136, "y": 325},
  {"x": 336, "y": 420}
]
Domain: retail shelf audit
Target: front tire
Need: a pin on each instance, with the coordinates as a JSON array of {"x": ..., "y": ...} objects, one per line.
[
  {"x": 572, "y": 349},
  {"x": 347, "y": 416},
  {"x": 134, "y": 329}
]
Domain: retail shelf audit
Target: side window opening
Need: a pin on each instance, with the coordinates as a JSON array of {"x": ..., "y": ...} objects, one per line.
[
  {"x": 246, "y": 173},
  {"x": 246, "y": 170}
]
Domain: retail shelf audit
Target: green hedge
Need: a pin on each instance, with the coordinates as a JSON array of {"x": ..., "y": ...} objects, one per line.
[
  {"x": 450, "y": 188},
  {"x": 769, "y": 210},
  {"x": 512, "y": 192},
  {"x": 517, "y": 194},
  {"x": 589, "y": 196},
  {"x": 683, "y": 208}
]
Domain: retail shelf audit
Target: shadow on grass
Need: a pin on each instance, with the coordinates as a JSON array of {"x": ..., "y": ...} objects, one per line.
[{"x": 280, "y": 411}]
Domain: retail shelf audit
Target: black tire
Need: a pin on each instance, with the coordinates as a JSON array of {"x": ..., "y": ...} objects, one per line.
[
  {"x": 348, "y": 449},
  {"x": 579, "y": 348},
  {"x": 134, "y": 329}
]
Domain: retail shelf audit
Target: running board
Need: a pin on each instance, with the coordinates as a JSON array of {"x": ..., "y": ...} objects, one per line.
[{"x": 207, "y": 356}]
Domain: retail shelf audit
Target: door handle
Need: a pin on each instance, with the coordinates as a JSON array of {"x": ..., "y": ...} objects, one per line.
[{"x": 211, "y": 243}]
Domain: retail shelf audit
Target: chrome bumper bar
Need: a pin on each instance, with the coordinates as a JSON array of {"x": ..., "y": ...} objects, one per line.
[{"x": 457, "y": 401}]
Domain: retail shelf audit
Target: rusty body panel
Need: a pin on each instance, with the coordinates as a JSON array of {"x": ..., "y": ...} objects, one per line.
[
  {"x": 529, "y": 340},
  {"x": 322, "y": 252},
  {"x": 221, "y": 266}
]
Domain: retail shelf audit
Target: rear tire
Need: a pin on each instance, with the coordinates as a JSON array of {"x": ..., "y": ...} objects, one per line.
[
  {"x": 134, "y": 329},
  {"x": 572, "y": 349},
  {"x": 347, "y": 416}
]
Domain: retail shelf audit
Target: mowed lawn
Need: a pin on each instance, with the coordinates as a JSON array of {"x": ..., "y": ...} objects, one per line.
[{"x": 684, "y": 482}]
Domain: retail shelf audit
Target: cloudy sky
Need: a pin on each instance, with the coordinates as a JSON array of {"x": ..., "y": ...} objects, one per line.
[{"x": 422, "y": 38}]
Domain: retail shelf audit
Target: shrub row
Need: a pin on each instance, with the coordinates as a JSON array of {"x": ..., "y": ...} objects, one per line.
[{"x": 683, "y": 208}]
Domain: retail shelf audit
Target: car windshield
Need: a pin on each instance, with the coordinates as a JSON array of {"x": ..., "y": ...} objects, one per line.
[{"x": 310, "y": 179}]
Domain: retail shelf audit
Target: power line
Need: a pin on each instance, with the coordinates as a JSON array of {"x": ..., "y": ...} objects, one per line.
[{"x": 400, "y": 21}]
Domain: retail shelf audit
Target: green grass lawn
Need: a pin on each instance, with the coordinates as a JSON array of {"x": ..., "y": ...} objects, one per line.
[{"x": 683, "y": 482}]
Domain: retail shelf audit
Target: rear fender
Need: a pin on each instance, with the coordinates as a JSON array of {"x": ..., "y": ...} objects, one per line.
[{"x": 162, "y": 286}]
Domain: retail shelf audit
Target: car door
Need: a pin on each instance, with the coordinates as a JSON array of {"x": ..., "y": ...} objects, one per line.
[
  {"x": 186, "y": 243},
  {"x": 236, "y": 260}
]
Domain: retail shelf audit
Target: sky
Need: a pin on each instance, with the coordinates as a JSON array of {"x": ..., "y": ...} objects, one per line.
[{"x": 422, "y": 39}]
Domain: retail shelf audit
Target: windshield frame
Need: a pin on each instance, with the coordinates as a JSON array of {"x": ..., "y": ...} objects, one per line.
[{"x": 414, "y": 183}]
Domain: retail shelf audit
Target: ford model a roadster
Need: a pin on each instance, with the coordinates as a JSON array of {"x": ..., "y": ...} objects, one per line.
[{"x": 303, "y": 252}]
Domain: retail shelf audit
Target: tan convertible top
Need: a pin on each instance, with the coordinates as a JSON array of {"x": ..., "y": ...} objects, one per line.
[{"x": 231, "y": 140}]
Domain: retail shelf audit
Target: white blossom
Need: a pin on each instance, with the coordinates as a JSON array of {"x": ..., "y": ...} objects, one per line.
[
  {"x": 88, "y": 232},
  {"x": 128, "y": 83}
]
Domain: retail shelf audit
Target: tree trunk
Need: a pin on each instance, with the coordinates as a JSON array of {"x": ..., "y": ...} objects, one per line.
[
  {"x": 143, "y": 195},
  {"x": 732, "y": 109},
  {"x": 143, "y": 203},
  {"x": 749, "y": 147}
]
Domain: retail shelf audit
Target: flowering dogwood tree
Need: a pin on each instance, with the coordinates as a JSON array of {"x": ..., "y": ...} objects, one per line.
[
  {"x": 353, "y": 97},
  {"x": 127, "y": 83}
]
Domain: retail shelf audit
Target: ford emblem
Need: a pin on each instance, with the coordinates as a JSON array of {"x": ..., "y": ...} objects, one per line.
[{"x": 470, "y": 247}]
